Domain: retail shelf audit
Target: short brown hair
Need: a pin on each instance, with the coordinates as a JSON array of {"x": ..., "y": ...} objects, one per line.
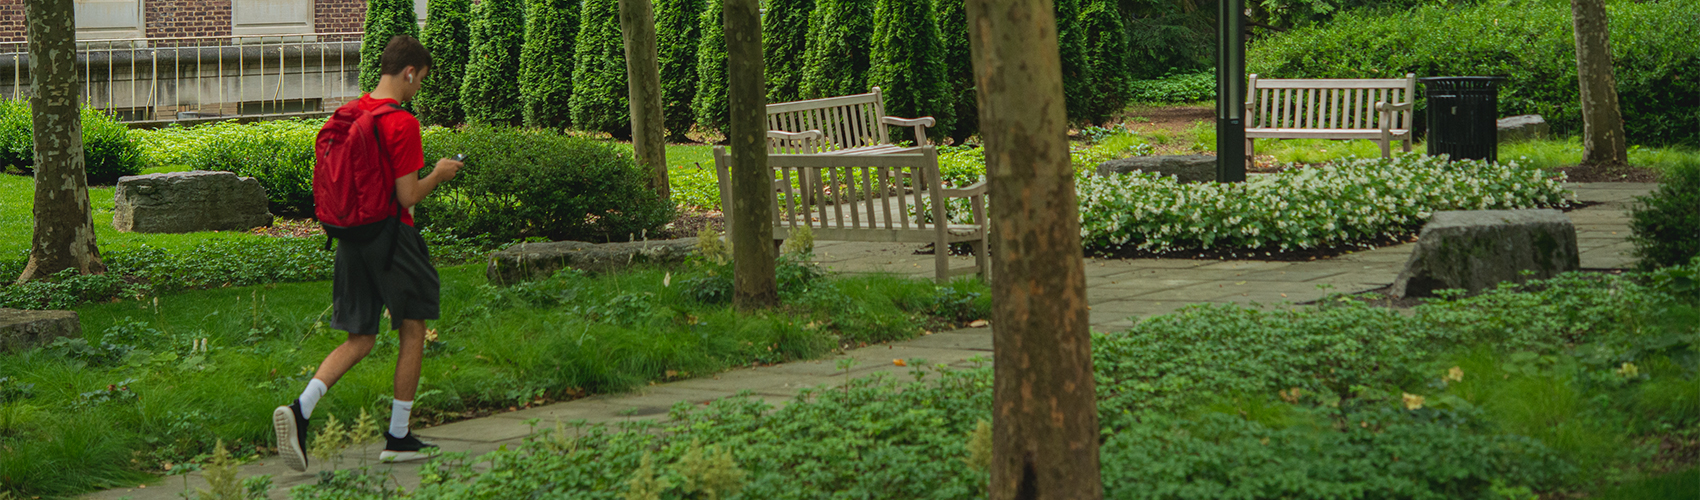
[{"x": 403, "y": 51}]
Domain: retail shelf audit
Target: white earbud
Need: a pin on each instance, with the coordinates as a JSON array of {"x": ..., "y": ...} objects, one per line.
[{"x": 409, "y": 78}]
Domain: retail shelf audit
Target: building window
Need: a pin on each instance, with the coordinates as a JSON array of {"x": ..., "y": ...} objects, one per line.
[
  {"x": 108, "y": 19},
  {"x": 277, "y": 107},
  {"x": 271, "y": 17}
]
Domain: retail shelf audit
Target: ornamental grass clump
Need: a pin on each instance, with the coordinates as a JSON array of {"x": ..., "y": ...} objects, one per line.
[{"x": 1340, "y": 203}]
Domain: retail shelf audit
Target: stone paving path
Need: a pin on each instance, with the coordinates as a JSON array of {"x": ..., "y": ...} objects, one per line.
[{"x": 1118, "y": 289}]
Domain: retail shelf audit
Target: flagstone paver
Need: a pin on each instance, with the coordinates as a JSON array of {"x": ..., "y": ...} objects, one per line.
[{"x": 1117, "y": 291}]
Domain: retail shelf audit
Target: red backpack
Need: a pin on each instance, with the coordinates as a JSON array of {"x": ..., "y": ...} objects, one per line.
[{"x": 353, "y": 194}]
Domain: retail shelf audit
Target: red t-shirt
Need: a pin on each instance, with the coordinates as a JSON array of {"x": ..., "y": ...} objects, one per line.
[{"x": 400, "y": 132}]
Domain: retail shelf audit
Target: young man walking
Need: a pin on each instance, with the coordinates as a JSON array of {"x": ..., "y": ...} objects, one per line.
[{"x": 365, "y": 184}]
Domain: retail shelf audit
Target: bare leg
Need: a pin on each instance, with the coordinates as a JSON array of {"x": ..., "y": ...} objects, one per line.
[
  {"x": 408, "y": 360},
  {"x": 344, "y": 358}
]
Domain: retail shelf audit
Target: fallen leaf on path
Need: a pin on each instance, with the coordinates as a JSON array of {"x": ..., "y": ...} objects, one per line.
[
  {"x": 979, "y": 323},
  {"x": 899, "y": 362}
]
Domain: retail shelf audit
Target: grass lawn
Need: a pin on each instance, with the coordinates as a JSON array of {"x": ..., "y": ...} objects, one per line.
[{"x": 17, "y": 195}]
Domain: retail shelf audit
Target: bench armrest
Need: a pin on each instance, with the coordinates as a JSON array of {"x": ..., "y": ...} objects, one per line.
[
  {"x": 925, "y": 121},
  {"x": 794, "y": 136},
  {"x": 1384, "y": 106},
  {"x": 975, "y": 189}
]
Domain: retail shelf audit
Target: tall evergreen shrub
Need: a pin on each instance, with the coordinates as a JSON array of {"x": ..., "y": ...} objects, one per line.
[
  {"x": 448, "y": 35},
  {"x": 1108, "y": 59},
  {"x": 678, "y": 31},
  {"x": 952, "y": 19},
  {"x": 907, "y": 64},
  {"x": 384, "y": 19},
  {"x": 491, "y": 91},
  {"x": 1076, "y": 71},
  {"x": 600, "y": 92},
  {"x": 840, "y": 35},
  {"x": 546, "y": 62},
  {"x": 710, "y": 102},
  {"x": 785, "y": 35}
]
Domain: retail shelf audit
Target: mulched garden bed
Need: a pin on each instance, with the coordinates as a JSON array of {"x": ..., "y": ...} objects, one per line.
[{"x": 1621, "y": 173}]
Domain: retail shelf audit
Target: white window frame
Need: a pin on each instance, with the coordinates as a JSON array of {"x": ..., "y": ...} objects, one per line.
[{"x": 307, "y": 26}]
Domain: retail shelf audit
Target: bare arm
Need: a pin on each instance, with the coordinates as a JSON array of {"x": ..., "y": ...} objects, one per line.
[{"x": 410, "y": 189}]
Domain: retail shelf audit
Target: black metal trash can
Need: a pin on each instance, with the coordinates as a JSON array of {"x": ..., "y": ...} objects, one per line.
[{"x": 1463, "y": 116}]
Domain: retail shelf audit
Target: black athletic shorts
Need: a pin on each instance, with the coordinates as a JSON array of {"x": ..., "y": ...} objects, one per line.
[{"x": 363, "y": 288}]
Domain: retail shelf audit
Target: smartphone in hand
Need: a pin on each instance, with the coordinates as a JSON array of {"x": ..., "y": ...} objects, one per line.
[{"x": 460, "y": 158}]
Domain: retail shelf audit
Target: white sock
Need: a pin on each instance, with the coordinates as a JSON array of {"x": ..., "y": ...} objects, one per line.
[
  {"x": 399, "y": 411},
  {"x": 310, "y": 397}
]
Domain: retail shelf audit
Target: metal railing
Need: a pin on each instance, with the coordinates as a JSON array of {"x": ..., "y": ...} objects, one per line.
[{"x": 171, "y": 79}]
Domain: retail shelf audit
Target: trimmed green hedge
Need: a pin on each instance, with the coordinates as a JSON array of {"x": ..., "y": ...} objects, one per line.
[
  {"x": 678, "y": 32},
  {"x": 448, "y": 35},
  {"x": 1666, "y": 223},
  {"x": 109, "y": 152},
  {"x": 840, "y": 34},
  {"x": 600, "y": 93},
  {"x": 1108, "y": 57},
  {"x": 785, "y": 40},
  {"x": 952, "y": 18},
  {"x": 491, "y": 93},
  {"x": 907, "y": 64},
  {"x": 546, "y": 62},
  {"x": 710, "y": 104},
  {"x": 1656, "y": 46},
  {"x": 279, "y": 153},
  {"x": 1076, "y": 69},
  {"x": 385, "y": 19}
]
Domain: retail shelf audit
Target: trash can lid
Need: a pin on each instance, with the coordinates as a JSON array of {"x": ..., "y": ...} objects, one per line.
[{"x": 1461, "y": 82}]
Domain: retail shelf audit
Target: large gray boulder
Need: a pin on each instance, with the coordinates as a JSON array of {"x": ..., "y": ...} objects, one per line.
[
  {"x": 186, "y": 202},
  {"x": 527, "y": 261},
  {"x": 1185, "y": 168},
  {"x": 1476, "y": 250},
  {"x": 1523, "y": 128},
  {"x": 22, "y": 329}
]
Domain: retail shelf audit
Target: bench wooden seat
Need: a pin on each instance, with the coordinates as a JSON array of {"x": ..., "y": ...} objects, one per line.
[
  {"x": 850, "y": 197},
  {"x": 852, "y": 124},
  {"x": 1374, "y": 109}
]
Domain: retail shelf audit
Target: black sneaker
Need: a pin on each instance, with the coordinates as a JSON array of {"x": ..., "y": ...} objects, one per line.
[
  {"x": 291, "y": 435},
  {"x": 405, "y": 448}
]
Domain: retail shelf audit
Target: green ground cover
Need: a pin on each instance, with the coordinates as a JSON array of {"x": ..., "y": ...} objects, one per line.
[
  {"x": 134, "y": 395},
  {"x": 1580, "y": 386}
]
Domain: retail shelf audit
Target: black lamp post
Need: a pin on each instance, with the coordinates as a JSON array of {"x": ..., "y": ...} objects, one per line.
[{"x": 1230, "y": 91}]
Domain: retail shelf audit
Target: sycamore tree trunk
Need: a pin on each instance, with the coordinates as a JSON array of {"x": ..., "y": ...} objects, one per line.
[
  {"x": 64, "y": 229},
  {"x": 1045, "y": 417},
  {"x": 752, "y": 184},
  {"x": 1603, "y": 142},
  {"x": 643, "y": 81}
]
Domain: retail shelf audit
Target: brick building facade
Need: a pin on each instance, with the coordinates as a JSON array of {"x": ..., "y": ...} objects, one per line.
[{"x": 189, "y": 18}]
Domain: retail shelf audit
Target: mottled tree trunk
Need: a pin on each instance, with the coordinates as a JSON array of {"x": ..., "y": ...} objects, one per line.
[
  {"x": 752, "y": 182},
  {"x": 1603, "y": 142},
  {"x": 64, "y": 229},
  {"x": 1045, "y": 418},
  {"x": 643, "y": 79}
]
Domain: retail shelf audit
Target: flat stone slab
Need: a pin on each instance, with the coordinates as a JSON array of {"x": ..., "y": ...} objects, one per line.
[
  {"x": 528, "y": 261},
  {"x": 1185, "y": 168},
  {"x": 186, "y": 202},
  {"x": 1478, "y": 249},
  {"x": 22, "y": 329},
  {"x": 1523, "y": 128}
]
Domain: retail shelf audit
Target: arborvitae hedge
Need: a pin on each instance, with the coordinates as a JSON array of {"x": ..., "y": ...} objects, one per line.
[
  {"x": 491, "y": 92},
  {"x": 1107, "y": 55},
  {"x": 384, "y": 19},
  {"x": 907, "y": 64},
  {"x": 952, "y": 18},
  {"x": 840, "y": 34},
  {"x": 546, "y": 62},
  {"x": 710, "y": 101},
  {"x": 599, "y": 72},
  {"x": 678, "y": 31},
  {"x": 785, "y": 35},
  {"x": 1076, "y": 71},
  {"x": 448, "y": 34}
]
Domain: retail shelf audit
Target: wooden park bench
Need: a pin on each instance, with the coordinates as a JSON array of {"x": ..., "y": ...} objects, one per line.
[
  {"x": 869, "y": 197},
  {"x": 1374, "y": 109},
  {"x": 853, "y": 124}
]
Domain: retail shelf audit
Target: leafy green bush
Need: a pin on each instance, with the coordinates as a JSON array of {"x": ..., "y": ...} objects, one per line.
[
  {"x": 1529, "y": 41},
  {"x": 63, "y": 290},
  {"x": 522, "y": 183},
  {"x": 491, "y": 93},
  {"x": 1336, "y": 204},
  {"x": 785, "y": 39},
  {"x": 279, "y": 153},
  {"x": 1177, "y": 88},
  {"x": 1108, "y": 60},
  {"x": 709, "y": 105},
  {"x": 448, "y": 35},
  {"x": 385, "y": 19},
  {"x": 546, "y": 62},
  {"x": 1666, "y": 224},
  {"x": 599, "y": 72},
  {"x": 840, "y": 35},
  {"x": 907, "y": 64},
  {"x": 109, "y": 152},
  {"x": 952, "y": 18},
  {"x": 1076, "y": 68},
  {"x": 678, "y": 32}
]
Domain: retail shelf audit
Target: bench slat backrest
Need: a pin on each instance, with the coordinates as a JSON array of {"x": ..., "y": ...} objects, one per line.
[
  {"x": 851, "y": 121},
  {"x": 1328, "y": 103},
  {"x": 849, "y": 192}
]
